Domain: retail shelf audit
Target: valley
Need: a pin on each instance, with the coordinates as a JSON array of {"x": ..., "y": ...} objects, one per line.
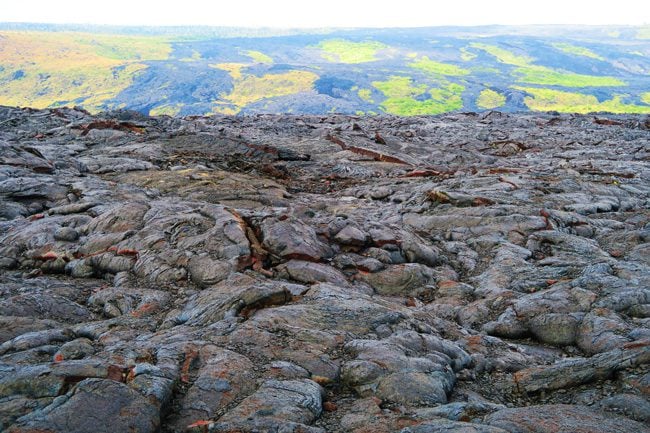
[{"x": 425, "y": 71}]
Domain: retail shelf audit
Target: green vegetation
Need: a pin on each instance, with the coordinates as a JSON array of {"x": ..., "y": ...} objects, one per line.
[
  {"x": 399, "y": 87},
  {"x": 489, "y": 99},
  {"x": 166, "y": 110},
  {"x": 344, "y": 51},
  {"x": 571, "y": 102},
  {"x": 366, "y": 95},
  {"x": 45, "y": 69},
  {"x": 485, "y": 70},
  {"x": 527, "y": 72},
  {"x": 578, "y": 51},
  {"x": 549, "y": 77},
  {"x": 193, "y": 58},
  {"x": 119, "y": 47},
  {"x": 54, "y": 68},
  {"x": 401, "y": 94},
  {"x": 250, "y": 88},
  {"x": 259, "y": 57},
  {"x": 234, "y": 69},
  {"x": 504, "y": 56},
  {"x": 467, "y": 55},
  {"x": 438, "y": 68}
]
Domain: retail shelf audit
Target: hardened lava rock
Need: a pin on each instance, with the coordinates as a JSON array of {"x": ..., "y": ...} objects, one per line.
[{"x": 480, "y": 273}]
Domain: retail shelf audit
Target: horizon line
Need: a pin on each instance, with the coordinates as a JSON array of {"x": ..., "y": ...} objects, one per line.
[{"x": 334, "y": 27}]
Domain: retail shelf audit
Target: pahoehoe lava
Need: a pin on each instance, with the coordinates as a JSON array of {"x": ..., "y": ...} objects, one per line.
[{"x": 467, "y": 272}]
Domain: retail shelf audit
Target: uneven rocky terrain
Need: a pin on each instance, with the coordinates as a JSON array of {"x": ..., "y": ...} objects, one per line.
[{"x": 467, "y": 273}]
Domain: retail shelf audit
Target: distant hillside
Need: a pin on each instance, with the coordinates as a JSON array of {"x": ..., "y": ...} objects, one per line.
[{"x": 183, "y": 71}]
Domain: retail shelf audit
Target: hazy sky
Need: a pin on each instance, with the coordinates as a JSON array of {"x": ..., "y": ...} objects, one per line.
[{"x": 327, "y": 13}]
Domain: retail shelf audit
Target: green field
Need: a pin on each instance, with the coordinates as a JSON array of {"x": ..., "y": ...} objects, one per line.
[
  {"x": 490, "y": 99},
  {"x": 528, "y": 72},
  {"x": 576, "y": 50},
  {"x": 343, "y": 51},
  {"x": 438, "y": 68},
  {"x": 572, "y": 102},
  {"x": 401, "y": 97},
  {"x": 43, "y": 70}
]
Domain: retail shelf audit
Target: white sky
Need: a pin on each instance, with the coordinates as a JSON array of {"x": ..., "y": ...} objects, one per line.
[{"x": 327, "y": 13}]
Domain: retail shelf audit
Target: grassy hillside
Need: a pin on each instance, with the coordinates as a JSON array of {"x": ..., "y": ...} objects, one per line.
[
  {"x": 398, "y": 71},
  {"x": 50, "y": 69}
]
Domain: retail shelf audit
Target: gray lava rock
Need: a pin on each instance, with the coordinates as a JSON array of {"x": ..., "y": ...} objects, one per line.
[
  {"x": 407, "y": 280},
  {"x": 92, "y": 398},
  {"x": 288, "y": 402},
  {"x": 67, "y": 234},
  {"x": 351, "y": 236},
  {"x": 283, "y": 273},
  {"x": 561, "y": 418},
  {"x": 444, "y": 426},
  {"x": 555, "y": 329},
  {"x": 310, "y": 273},
  {"x": 634, "y": 406},
  {"x": 396, "y": 369},
  {"x": 75, "y": 349},
  {"x": 293, "y": 239}
]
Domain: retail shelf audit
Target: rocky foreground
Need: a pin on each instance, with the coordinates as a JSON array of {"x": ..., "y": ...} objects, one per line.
[{"x": 465, "y": 273}]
